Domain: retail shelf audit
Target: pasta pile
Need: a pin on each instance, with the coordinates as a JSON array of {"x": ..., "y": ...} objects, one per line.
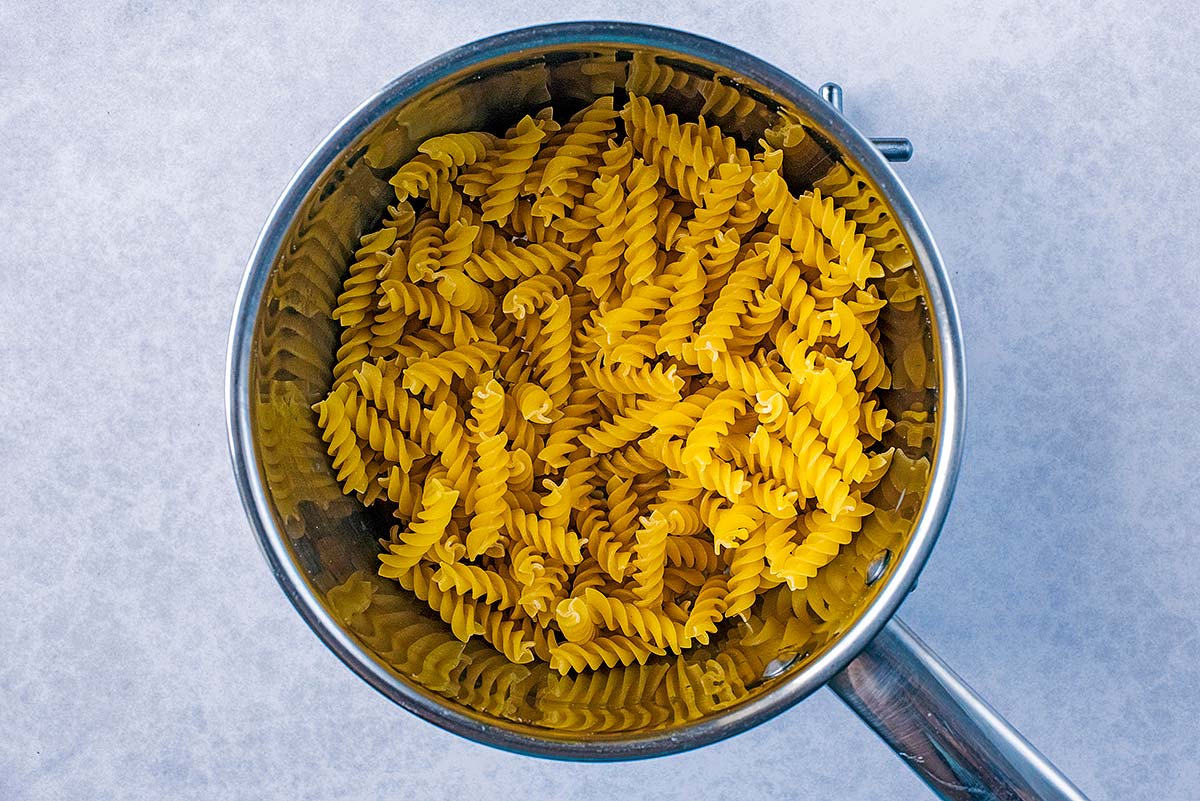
[{"x": 614, "y": 379}]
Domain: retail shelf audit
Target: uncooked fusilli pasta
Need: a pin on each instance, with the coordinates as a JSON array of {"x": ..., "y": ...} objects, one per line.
[{"x": 617, "y": 382}]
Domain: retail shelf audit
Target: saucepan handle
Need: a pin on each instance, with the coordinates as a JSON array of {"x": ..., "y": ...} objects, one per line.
[{"x": 954, "y": 741}]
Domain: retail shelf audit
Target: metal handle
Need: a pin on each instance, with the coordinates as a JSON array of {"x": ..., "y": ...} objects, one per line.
[
  {"x": 947, "y": 734},
  {"x": 893, "y": 148}
]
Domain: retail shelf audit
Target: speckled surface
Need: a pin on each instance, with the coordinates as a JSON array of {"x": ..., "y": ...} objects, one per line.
[{"x": 146, "y": 652}]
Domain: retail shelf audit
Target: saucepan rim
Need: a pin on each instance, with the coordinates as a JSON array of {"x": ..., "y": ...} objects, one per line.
[{"x": 527, "y": 739}]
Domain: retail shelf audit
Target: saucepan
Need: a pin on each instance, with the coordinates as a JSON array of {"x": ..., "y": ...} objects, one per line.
[{"x": 841, "y": 631}]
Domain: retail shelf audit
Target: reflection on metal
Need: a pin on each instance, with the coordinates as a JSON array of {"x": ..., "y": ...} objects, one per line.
[
  {"x": 777, "y": 666},
  {"x": 945, "y": 732},
  {"x": 878, "y": 566},
  {"x": 322, "y": 547}
]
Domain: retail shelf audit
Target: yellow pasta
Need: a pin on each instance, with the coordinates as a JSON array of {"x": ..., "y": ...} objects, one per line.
[
  {"x": 437, "y": 504},
  {"x": 866, "y": 208},
  {"x": 650, "y": 559},
  {"x": 357, "y": 305},
  {"x": 534, "y": 403},
  {"x": 487, "y": 585},
  {"x": 715, "y": 205},
  {"x": 605, "y": 254},
  {"x": 415, "y": 177},
  {"x": 575, "y": 620},
  {"x": 733, "y": 301},
  {"x": 518, "y": 262},
  {"x": 708, "y": 609},
  {"x": 651, "y": 625},
  {"x": 491, "y": 457},
  {"x": 507, "y": 175},
  {"x": 617, "y": 382},
  {"x": 377, "y": 431},
  {"x": 657, "y": 381},
  {"x": 430, "y": 372},
  {"x": 458, "y": 149},
  {"x": 642, "y": 197},
  {"x": 606, "y": 651},
  {"x": 554, "y": 354},
  {"x": 569, "y": 173},
  {"x": 746, "y": 566}
]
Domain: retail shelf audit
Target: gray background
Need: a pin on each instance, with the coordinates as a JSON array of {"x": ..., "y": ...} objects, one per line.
[{"x": 145, "y": 651}]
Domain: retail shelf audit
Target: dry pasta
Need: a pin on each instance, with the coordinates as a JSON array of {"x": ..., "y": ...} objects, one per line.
[{"x": 616, "y": 380}]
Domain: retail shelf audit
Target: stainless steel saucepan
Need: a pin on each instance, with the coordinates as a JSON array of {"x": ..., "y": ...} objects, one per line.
[{"x": 841, "y": 631}]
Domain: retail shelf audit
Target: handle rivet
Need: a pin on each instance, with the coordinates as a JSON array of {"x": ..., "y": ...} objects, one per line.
[
  {"x": 878, "y": 566},
  {"x": 778, "y": 665},
  {"x": 892, "y": 148},
  {"x": 831, "y": 93}
]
